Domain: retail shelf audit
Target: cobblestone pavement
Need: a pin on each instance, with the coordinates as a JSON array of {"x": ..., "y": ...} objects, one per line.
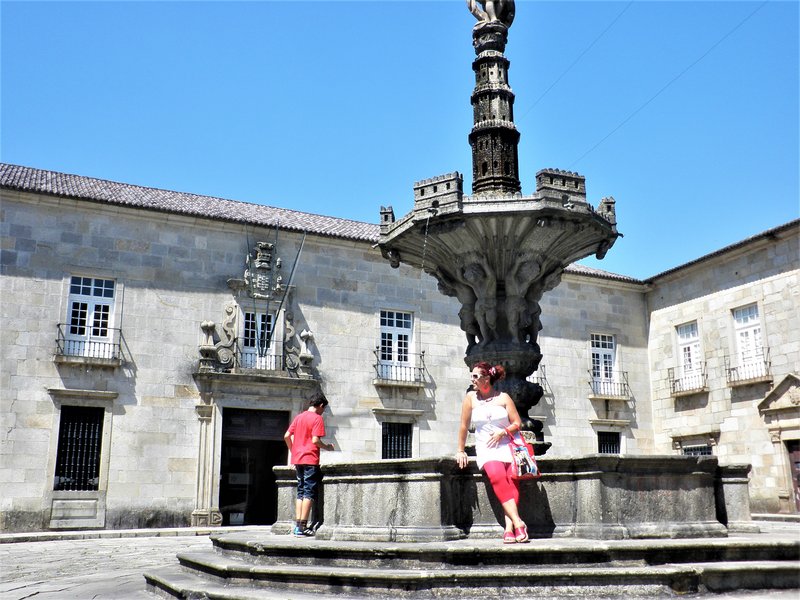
[
  {"x": 82, "y": 569},
  {"x": 63, "y": 567}
]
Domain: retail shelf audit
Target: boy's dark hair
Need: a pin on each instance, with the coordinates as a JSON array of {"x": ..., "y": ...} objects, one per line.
[{"x": 318, "y": 399}]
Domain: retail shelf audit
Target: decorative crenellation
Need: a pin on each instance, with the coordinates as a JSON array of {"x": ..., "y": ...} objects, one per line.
[
  {"x": 436, "y": 192},
  {"x": 387, "y": 215},
  {"x": 561, "y": 181},
  {"x": 607, "y": 210},
  {"x": 491, "y": 69}
]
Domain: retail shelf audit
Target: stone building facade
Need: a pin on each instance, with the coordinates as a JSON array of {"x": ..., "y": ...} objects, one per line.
[{"x": 155, "y": 345}]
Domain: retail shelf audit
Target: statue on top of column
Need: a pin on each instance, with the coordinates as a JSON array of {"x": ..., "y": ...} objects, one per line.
[{"x": 492, "y": 11}]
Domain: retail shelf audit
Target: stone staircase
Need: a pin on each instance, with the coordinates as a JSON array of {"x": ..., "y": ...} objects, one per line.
[{"x": 263, "y": 565}]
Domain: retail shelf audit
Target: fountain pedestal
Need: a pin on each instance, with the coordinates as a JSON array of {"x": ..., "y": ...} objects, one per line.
[
  {"x": 596, "y": 497},
  {"x": 498, "y": 251}
]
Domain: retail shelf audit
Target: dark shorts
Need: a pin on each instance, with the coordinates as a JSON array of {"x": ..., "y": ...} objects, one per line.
[{"x": 308, "y": 477}]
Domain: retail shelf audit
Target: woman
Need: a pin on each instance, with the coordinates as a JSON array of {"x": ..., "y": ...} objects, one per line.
[{"x": 495, "y": 418}]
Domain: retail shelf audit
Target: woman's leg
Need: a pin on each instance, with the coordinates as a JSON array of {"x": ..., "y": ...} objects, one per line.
[{"x": 507, "y": 492}]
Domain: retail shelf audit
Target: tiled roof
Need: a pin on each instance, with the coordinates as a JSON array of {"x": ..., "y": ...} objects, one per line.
[
  {"x": 40, "y": 181},
  {"x": 577, "y": 269},
  {"x": 28, "y": 179}
]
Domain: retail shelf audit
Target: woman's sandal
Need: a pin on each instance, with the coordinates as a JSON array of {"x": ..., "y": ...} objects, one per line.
[
  {"x": 509, "y": 538},
  {"x": 520, "y": 535}
]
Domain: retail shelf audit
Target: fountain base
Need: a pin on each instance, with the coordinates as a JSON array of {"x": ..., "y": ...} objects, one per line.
[{"x": 596, "y": 497}]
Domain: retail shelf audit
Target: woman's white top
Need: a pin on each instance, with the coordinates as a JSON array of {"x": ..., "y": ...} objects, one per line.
[{"x": 488, "y": 418}]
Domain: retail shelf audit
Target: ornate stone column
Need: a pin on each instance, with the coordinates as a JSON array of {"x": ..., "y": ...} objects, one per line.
[
  {"x": 498, "y": 251},
  {"x": 205, "y": 513}
]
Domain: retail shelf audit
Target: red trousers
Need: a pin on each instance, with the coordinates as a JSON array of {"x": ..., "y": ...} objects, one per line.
[{"x": 499, "y": 474}]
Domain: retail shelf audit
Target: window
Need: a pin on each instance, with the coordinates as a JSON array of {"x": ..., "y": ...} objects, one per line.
[
  {"x": 80, "y": 436},
  {"x": 608, "y": 442},
  {"x": 689, "y": 343},
  {"x": 91, "y": 311},
  {"x": 703, "y": 450},
  {"x": 749, "y": 349},
  {"x": 605, "y": 380},
  {"x": 690, "y": 367},
  {"x": 257, "y": 342},
  {"x": 394, "y": 358},
  {"x": 396, "y": 440},
  {"x": 602, "y": 357}
]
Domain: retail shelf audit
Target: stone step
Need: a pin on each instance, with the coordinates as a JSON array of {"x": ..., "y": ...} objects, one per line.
[
  {"x": 284, "y": 550},
  {"x": 215, "y": 575}
]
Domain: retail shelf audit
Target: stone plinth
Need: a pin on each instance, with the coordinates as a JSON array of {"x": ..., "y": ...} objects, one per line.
[
  {"x": 387, "y": 501},
  {"x": 733, "y": 498},
  {"x": 596, "y": 497}
]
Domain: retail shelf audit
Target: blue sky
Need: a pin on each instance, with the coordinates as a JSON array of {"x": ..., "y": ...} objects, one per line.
[{"x": 685, "y": 112}]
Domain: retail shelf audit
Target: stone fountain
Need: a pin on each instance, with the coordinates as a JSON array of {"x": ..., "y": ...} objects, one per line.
[{"x": 498, "y": 251}]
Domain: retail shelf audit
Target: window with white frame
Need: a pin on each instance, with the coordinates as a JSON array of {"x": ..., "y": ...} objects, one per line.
[
  {"x": 603, "y": 356},
  {"x": 603, "y": 359},
  {"x": 91, "y": 313},
  {"x": 691, "y": 364},
  {"x": 749, "y": 349},
  {"x": 258, "y": 344},
  {"x": 394, "y": 356}
]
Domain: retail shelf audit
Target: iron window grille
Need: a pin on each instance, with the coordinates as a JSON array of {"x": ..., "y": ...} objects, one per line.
[
  {"x": 700, "y": 450},
  {"x": 396, "y": 440},
  {"x": 80, "y": 436},
  {"x": 608, "y": 442}
]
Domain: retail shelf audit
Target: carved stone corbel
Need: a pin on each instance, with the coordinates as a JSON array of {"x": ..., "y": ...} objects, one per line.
[
  {"x": 217, "y": 347},
  {"x": 305, "y": 356}
]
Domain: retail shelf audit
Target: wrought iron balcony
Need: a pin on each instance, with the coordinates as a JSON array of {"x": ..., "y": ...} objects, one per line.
[
  {"x": 409, "y": 372},
  {"x": 614, "y": 387},
  {"x": 690, "y": 382},
  {"x": 86, "y": 348},
  {"x": 249, "y": 359},
  {"x": 539, "y": 376},
  {"x": 758, "y": 369}
]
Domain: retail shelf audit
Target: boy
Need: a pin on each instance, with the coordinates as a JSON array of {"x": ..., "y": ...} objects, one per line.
[{"x": 304, "y": 440}]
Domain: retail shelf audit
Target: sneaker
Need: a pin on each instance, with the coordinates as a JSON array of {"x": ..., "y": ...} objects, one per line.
[
  {"x": 308, "y": 532},
  {"x": 298, "y": 532}
]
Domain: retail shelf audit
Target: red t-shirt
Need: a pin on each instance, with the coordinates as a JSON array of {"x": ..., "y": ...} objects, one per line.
[{"x": 306, "y": 425}]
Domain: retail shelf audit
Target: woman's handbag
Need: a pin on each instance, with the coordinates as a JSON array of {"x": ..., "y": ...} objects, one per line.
[{"x": 524, "y": 461}]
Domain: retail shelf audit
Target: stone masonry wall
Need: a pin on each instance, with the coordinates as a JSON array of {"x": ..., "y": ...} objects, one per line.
[
  {"x": 765, "y": 274},
  {"x": 171, "y": 274},
  {"x": 574, "y": 310}
]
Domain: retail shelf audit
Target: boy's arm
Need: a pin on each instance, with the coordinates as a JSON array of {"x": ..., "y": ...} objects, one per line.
[
  {"x": 287, "y": 438},
  {"x": 317, "y": 441}
]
